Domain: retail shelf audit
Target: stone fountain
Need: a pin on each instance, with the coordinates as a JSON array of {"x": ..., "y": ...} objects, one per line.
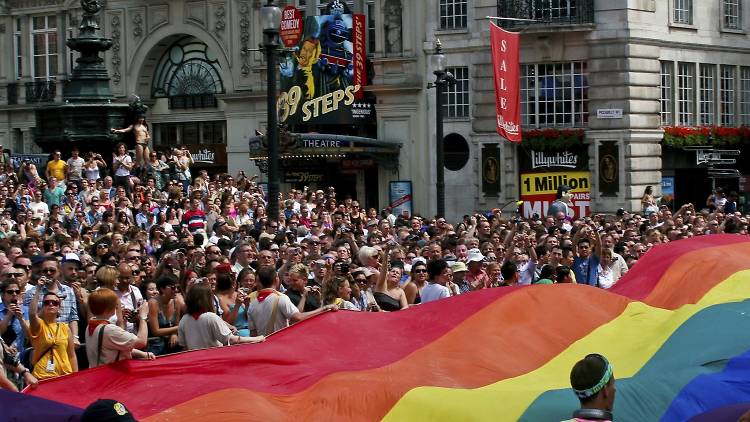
[{"x": 87, "y": 112}]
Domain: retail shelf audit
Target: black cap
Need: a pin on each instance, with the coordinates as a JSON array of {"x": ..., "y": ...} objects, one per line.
[
  {"x": 621, "y": 211},
  {"x": 106, "y": 410}
]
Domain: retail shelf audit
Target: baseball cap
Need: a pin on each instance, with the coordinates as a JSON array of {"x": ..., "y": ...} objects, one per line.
[
  {"x": 107, "y": 410},
  {"x": 71, "y": 257},
  {"x": 475, "y": 256}
]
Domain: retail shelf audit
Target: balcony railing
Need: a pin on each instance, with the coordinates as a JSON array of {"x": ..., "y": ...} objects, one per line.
[
  {"x": 12, "y": 93},
  {"x": 192, "y": 101},
  {"x": 40, "y": 92},
  {"x": 545, "y": 12}
]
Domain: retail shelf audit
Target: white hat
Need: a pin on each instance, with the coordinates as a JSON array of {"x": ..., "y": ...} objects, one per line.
[
  {"x": 71, "y": 257},
  {"x": 475, "y": 256}
]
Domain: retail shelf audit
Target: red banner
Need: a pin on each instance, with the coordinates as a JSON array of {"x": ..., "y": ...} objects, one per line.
[
  {"x": 359, "y": 31},
  {"x": 505, "y": 63}
]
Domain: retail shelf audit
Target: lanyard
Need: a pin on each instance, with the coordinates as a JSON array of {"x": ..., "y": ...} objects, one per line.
[{"x": 54, "y": 343}]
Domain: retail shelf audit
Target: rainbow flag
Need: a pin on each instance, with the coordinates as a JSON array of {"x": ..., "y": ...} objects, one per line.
[{"x": 674, "y": 329}]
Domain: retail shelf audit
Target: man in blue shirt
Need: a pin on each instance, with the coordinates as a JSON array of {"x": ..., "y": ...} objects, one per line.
[
  {"x": 588, "y": 251},
  {"x": 12, "y": 310}
]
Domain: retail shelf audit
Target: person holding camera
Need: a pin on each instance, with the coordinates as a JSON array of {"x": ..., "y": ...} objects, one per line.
[
  {"x": 130, "y": 297},
  {"x": 122, "y": 165},
  {"x": 93, "y": 166},
  {"x": 107, "y": 343},
  {"x": 54, "y": 350},
  {"x": 337, "y": 291}
]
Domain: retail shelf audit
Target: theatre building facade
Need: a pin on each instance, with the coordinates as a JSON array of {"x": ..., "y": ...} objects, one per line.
[
  {"x": 196, "y": 65},
  {"x": 609, "y": 93}
]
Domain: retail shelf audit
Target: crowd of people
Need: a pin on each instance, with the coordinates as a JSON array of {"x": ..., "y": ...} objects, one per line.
[{"x": 105, "y": 260}]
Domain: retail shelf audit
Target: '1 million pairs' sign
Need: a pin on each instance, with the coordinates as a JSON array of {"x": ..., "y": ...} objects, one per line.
[{"x": 538, "y": 191}]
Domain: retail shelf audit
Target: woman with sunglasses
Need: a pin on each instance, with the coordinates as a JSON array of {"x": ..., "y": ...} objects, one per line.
[
  {"x": 163, "y": 317},
  {"x": 54, "y": 352},
  {"x": 416, "y": 283}
]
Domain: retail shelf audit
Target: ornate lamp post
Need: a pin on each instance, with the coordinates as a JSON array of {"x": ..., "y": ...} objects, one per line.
[
  {"x": 270, "y": 18},
  {"x": 441, "y": 79}
]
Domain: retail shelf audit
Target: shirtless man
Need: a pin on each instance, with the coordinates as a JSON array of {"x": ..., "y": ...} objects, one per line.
[{"x": 142, "y": 139}]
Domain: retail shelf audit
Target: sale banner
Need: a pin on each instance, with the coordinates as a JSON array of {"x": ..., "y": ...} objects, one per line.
[
  {"x": 538, "y": 191},
  {"x": 505, "y": 64}
]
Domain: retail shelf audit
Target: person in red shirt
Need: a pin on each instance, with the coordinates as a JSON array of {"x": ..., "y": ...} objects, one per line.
[
  {"x": 194, "y": 219},
  {"x": 476, "y": 276}
]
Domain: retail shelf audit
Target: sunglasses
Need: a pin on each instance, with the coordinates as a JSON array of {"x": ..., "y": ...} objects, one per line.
[
  {"x": 13, "y": 275},
  {"x": 420, "y": 271},
  {"x": 51, "y": 302},
  {"x": 49, "y": 270},
  {"x": 13, "y": 292},
  {"x": 102, "y": 246}
]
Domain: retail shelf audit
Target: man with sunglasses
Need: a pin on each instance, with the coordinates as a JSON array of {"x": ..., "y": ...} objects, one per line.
[
  {"x": 49, "y": 282},
  {"x": 13, "y": 313}
]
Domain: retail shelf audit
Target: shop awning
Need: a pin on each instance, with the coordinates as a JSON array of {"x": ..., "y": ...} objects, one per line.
[{"x": 321, "y": 145}]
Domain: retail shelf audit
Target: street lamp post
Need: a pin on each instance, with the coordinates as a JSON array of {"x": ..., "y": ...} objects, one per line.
[
  {"x": 270, "y": 17},
  {"x": 438, "y": 65}
]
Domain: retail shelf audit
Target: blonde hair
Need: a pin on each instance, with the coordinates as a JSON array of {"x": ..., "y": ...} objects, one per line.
[
  {"x": 299, "y": 269},
  {"x": 106, "y": 276}
]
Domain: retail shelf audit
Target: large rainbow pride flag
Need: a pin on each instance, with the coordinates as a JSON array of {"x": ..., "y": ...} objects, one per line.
[{"x": 675, "y": 329}]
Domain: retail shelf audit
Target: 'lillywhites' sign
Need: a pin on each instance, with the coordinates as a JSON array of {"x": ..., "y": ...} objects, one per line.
[{"x": 543, "y": 159}]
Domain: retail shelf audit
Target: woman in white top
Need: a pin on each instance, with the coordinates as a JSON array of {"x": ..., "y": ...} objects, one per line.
[
  {"x": 605, "y": 276},
  {"x": 94, "y": 163},
  {"x": 107, "y": 343},
  {"x": 201, "y": 328}
]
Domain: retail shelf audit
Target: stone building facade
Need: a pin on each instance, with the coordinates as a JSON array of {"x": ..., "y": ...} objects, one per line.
[{"x": 612, "y": 58}]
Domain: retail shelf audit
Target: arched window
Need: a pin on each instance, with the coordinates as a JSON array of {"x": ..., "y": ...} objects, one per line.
[{"x": 189, "y": 74}]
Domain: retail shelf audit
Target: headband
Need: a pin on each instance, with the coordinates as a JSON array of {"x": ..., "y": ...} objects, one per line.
[{"x": 591, "y": 392}]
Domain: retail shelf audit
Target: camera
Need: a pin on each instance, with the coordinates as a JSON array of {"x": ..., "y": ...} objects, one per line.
[{"x": 342, "y": 267}]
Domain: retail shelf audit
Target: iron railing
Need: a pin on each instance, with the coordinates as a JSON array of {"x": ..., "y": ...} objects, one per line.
[
  {"x": 41, "y": 92},
  {"x": 192, "y": 101},
  {"x": 11, "y": 91},
  {"x": 545, "y": 12}
]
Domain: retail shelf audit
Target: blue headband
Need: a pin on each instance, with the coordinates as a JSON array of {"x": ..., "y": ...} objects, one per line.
[{"x": 591, "y": 392}]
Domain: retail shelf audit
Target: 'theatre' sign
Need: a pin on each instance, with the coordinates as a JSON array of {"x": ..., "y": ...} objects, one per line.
[{"x": 505, "y": 63}]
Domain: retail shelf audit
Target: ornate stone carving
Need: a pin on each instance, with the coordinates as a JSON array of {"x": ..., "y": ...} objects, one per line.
[
  {"x": 116, "y": 59},
  {"x": 245, "y": 37},
  {"x": 137, "y": 25},
  {"x": 220, "y": 13},
  {"x": 393, "y": 26},
  {"x": 20, "y": 4}
]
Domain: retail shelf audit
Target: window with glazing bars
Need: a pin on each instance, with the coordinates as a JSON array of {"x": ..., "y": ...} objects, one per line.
[
  {"x": 44, "y": 47},
  {"x": 554, "y": 95},
  {"x": 744, "y": 97},
  {"x": 732, "y": 14},
  {"x": 667, "y": 93},
  {"x": 686, "y": 94},
  {"x": 707, "y": 94},
  {"x": 727, "y": 91},
  {"x": 554, "y": 9},
  {"x": 456, "y": 99},
  {"x": 453, "y": 14},
  {"x": 18, "y": 48},
  {"x": 683, "y": 11}
]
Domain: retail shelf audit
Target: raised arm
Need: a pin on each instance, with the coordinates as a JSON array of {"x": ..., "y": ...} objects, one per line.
[
  {"x": 33, "y": 306},
  {"x": 127, "y": 129},
  {"x": 382, "y": 285}
]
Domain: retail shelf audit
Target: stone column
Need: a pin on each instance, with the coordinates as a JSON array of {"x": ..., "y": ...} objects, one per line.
[{"x": 625, "y": 75}]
